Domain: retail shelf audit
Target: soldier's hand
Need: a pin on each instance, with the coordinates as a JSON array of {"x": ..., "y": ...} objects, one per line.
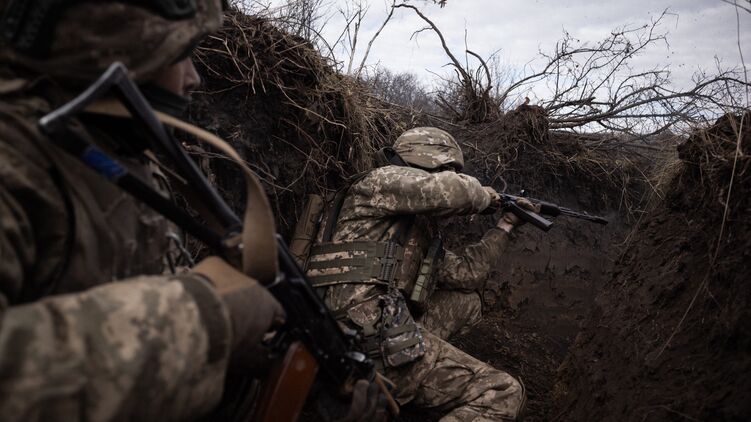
[
  {"x": 509, "y": 220},
  {"x": 253, "y": 310},
  {"x": 495, "y": 201},
  {"x": 368, "y": 404}
]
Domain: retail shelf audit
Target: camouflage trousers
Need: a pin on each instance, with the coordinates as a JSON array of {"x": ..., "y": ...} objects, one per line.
[{"x": 448, "y": 379}]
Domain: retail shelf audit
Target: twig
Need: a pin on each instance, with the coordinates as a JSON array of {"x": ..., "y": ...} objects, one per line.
[{"x": 372, "y": 40}]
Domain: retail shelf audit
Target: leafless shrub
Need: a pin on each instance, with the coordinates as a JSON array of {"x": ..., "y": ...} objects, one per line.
[
  {"x": 402, "y": 89},
  {"x": 593, "y": 87},
  {"x": 469, "y": 97},
  {"x": 596, "y": 87}
]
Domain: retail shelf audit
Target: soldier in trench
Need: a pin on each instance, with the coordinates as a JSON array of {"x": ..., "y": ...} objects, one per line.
[
  {"x": 94, "y": 326},
  {"x": 377, "y": 257}
]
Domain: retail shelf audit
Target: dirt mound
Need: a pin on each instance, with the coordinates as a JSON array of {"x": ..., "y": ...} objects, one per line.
[
  {"x": 302, "y": 126},
  {"x": 670, "y": 337},
  {"x": 519, "y": 152}
]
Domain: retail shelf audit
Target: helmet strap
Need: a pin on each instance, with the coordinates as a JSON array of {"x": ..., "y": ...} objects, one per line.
[{"x": 387, "y": 156}]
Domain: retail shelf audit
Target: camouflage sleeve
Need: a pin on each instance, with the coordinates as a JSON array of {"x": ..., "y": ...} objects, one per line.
[
  {"x": 141, "y": 349},
  {"x": 394, "y": 190},
  {"x": 469, "y": 269},
  {"x": 147, "y": 348}
]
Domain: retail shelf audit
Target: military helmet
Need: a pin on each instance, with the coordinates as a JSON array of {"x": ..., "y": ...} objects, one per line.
[
  {"x": 429, "y": 148},
  {"x": 74, "y": 41}
]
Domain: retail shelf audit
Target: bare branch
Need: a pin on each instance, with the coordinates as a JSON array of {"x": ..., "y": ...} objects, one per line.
[
  {"x": 593, "y": 86},
  {"x": 471, "y": 98},
  {"x": 484, "y": 66},
  {"x": 435, "y": 29},
  {"x": 739, "y": 6},
  {"x": 370, "y": 44}
]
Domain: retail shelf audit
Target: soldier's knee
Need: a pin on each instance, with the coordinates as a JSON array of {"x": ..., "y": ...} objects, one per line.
[
  {"x": 473, "y": 305},
  {"x": 476, "y": 306},
  {"x": 519, "y": 394}
]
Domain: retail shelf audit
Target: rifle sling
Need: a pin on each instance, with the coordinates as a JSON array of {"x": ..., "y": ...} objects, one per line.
[{"x": 259, "y": 248}]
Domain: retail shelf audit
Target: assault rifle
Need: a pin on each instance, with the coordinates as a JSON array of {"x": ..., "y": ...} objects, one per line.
[
  {"x": 508, "y": 202},
  {"x": 311, "y": 344},
  {"x": 388, "y": 156}
]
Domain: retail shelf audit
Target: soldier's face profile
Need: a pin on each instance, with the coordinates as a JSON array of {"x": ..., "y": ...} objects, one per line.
[{"x": 179, "y": 78}]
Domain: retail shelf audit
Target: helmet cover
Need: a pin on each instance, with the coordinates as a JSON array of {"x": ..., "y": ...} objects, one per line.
[
  {"x": 429, "y": 148},
  {"x": 91, "y": 35}
]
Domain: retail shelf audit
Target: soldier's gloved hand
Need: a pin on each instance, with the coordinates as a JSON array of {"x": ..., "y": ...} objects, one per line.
[
  {"x": 509, "y": 220},
  {"x": 253, "y": 310},
  {"x": 367, "y": 404},
  {"x": 495, "y": 201}
]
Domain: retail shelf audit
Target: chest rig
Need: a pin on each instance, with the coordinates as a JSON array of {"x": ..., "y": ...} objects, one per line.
[
  {"x": 406, "y": 262},
  {"x": 404, "y": 265}
]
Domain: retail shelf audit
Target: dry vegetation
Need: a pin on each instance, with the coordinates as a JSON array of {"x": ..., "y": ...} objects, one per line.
[
  {"x": 307, "y": 121},
  {"x": 302, "y": 126}
]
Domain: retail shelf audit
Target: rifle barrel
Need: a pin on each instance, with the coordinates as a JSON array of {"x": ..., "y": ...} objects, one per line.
[{"x": 583, "y": 216}]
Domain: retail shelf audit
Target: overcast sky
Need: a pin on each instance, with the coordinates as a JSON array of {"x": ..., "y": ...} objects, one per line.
[{"x": 698, "y": 31}]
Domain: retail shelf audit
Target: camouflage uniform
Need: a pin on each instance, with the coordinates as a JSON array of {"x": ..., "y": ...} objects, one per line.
[
  {"x": 445, "y": 377},
  {"x": 75, "y": 345}
]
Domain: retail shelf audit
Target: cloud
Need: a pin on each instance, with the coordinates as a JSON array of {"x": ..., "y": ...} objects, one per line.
[{"x": 698, "y": 32}]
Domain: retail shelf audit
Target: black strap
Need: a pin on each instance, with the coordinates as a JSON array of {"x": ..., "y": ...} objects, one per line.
[{"x": 336, "y": 207}]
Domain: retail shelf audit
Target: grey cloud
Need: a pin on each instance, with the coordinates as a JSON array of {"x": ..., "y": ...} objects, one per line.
[{"x": 698, "y": 30}]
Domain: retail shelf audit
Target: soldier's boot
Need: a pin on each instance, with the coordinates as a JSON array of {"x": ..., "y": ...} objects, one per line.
[{"x": 451, "y": 312}]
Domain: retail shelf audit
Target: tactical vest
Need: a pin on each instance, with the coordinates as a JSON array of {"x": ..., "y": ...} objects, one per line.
[
  {"x": 404, "y": 265},
  {"x": 407, "y": 262}
]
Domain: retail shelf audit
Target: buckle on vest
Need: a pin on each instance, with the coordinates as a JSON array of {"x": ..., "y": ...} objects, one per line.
[{"x": 392, "y": 257}]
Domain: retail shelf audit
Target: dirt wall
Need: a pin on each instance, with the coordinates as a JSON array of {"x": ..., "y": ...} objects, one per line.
[
  {"x": 546, "y": 284},
  {"x": 670, "y": 338}
]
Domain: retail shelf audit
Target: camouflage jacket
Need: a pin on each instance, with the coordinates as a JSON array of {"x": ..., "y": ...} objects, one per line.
[
  {"x": 375, "y": 204},
  {"x": 90, "y": 328}
]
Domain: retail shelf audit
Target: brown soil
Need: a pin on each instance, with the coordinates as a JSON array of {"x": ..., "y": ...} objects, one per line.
[
  {"x": 547, "y": 282},
  {"x": 605, "y": 302},
  {"x": 669, "y": 338},
  {"x": 301, "y": 126}
]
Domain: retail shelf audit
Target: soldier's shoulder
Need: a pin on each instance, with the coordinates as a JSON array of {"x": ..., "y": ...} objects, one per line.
[
  {"x": 391, "y": 173},
  {"x": 21, "y": 141}
]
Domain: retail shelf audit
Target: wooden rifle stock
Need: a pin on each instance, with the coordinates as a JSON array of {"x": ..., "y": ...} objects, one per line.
[
  {"x": 286, "y": 388},
  {"x": 288, "y": 385}
]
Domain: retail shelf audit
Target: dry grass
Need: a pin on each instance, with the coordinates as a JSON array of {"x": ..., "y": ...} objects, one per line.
[
  {"x": 519, "y": 150},
  {"x": 303, "y": 127},
  {"x": 306, "y": 128}
]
